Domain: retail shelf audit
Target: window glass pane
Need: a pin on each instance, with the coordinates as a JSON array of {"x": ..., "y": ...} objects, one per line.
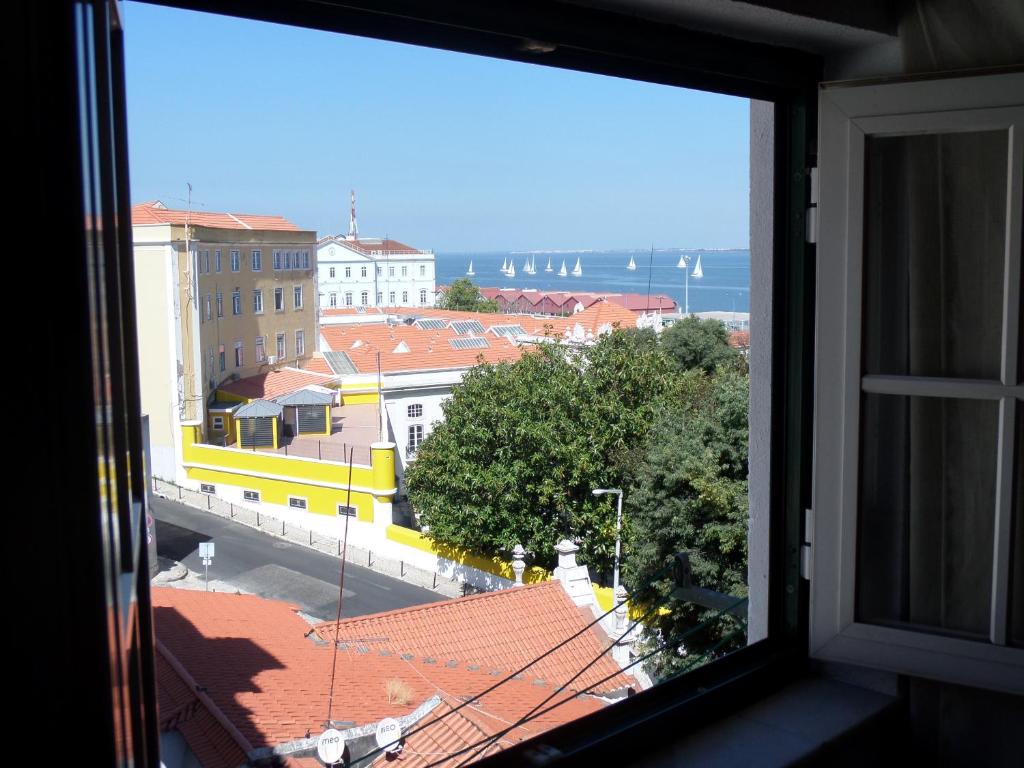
[
  {"x": 934, "y": 240},
  {"x": 1017, "y": 546},
  {"x": 926, "y": 517}
]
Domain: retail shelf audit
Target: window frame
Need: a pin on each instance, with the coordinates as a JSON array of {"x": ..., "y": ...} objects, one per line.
[
  {"x": 261, "y": 349},
  {"x": 208, "y": 488},
  {"x": 236, "y": 260},
  {"x": 251, "y": 496},
  {"x": 297, "y": 297},
  {"x": 304, "y": 506},
  {"x": 300, "y": 342},
  {"x": 849, "y": 115},
  {"x": 257, "y": 301},
  {"x": 236, "y": 302},
  {"x": 344, "y": 510},
  {"x": 279, "y": 299},
  {"x": 282, "y": 345},
  {"x": 257, "y": 260}
]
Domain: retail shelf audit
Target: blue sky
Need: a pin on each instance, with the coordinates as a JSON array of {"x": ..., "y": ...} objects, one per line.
[{"x": 445, "y": 151}]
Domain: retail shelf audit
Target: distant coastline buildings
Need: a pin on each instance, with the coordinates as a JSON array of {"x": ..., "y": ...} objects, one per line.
[
  {"x": 533, "y": 301},
  {"x": 354, "y": 271}
]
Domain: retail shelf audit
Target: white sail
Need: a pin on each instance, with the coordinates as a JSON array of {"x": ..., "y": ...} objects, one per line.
[
  {"x": 470, "y": 272},
  {"x": 504, "y": 265},
  {"x": 511, "y": 270},
  {"x": 697, "y": 271},
  {"x": 682, "y": 262},
  {"x": 577, "y": 270},
  {"x": 548, "y": 267},
  {"x": 528, "y": 267},
  {"x": 562, "y": 272},
  {"x": 632, "y": 264}
]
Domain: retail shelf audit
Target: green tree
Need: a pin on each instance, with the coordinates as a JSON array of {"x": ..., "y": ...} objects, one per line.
[
  {"x": 697, "y": 343},
  {"x": 523, "y": 444},
  {"x": 690, "y": 493},
  {"x": 463, "y": 295}
]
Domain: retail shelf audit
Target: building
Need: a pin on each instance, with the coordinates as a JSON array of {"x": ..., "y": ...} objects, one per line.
[
  {"x": 535, "y": 301},
  {"x": 354, "y": 271},
  {"x": 807, "y": 688},
  {"x": 221, "y": 297},
  {"x": 243, "y": 678}
]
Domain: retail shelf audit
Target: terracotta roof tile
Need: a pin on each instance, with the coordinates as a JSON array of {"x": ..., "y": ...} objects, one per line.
[
  {"x": 266, "y": 386},
  {"x": 369, "y": 245},
  {"x": 153, "y": 213}
]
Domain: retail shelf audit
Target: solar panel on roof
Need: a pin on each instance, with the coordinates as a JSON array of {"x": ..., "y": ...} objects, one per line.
[
  {"x": 469, "y": 342},
  {"x": 508, "y": 330},
  {"x": 463, "y": 327},
  {"x": 431, "y": 323}
]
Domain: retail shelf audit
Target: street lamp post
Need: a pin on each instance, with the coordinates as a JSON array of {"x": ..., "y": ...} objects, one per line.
[{"x": 618, "y": 530}]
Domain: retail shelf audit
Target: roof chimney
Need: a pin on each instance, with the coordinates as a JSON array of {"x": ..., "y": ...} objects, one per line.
[
  {"x": 575, "y": 578},
  {"x": 518, "y": 566}
]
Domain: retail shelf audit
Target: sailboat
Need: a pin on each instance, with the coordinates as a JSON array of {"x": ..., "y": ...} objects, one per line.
[
  {"x": 548, "y": 267},
  {"x": 511, "y": 270},
  {"x": 577, "y": 270},
  {"x": 562, "y": 272},
  {"x": 504, "y": 266},
  {"x": 470, "y": 272},
  {"x": 632, "y": 265},
  {"x": 533, "y": 266},
  {"x": 697, "y": 271},
  {"x": 682, "y": 262}
]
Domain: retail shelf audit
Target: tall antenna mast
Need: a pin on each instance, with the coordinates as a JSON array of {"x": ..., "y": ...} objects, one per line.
[{"x": 353, "y": 228}]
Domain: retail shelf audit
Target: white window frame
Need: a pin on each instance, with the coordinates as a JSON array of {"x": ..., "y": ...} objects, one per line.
[
  {"x": 362, "y": 271},
  {"x": 364, "y": 298},
  {"x": 391, "y": 271},
  {"x": 331, "y": 272},
  {"x": 347, "y": 511},
  {"x": 348, "y": 272},
  {"x": 217, "y": 259},
  {"x": 277, "y": 261},
  {"x": 236, "y": 302},
  {"x": 257, "y": 260},
  {"x": 423, "y": 296},
  {"x": 218, "y": 423},
  {"x": 300, "y": 343},
  {"x": 261, "y": 349},
  {"x": 286, "y": 260},
  {"x": 391, "y": 298},
  {"x": 848, "y": 115},
  {"x": 282, "y": 346},
  {"x": 348, "y": 298},
  {"x": 333, "y": 300},
  {"x": 423, "y": 270},
  {"x": 405, "y": 298},
  {"x": 253, "y": 497},
  {"x": 405, "y": 270},
  {"x": 208, "y": 488},
  {"x": 380, "y": 298},
  {"x": 297, "y": 296},
  {"x": 257, "y": 301},
  {"x": 414, "y": 411},
  {"x": 413, "y": 445},
  {"x": 236, "y": 261},
  {"x": 304, "y": 505},
  {"x": 239, "y": 354},
  {"x": 220, "y": 304},
  {"x": 209, "y": 308},
  {"x": 279, "y": 299}
]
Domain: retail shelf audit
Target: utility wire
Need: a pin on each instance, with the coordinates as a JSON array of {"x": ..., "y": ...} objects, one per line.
[
  {"x": 370, "y": 755},
  {"x": 531, "y": 714},
  {"x": 661, "y": 647},
  {"x": 341, "y": 590}
]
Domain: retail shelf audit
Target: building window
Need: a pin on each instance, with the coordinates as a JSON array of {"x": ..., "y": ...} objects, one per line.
[
  {"x": 236, "y": 261},
  {"x": 405, "y": 271},
  {"x": 223, "y": 362},
  {"x": 405, "y": 297},
  {"x": 281, "y": 346},
  {"x": 297, "y": 296},
  {"x": 236, "y": 302},
  {"x": 239, "y": 355},
  {"x": 344, "y": 511},
  {"x": 364, "y": 298},
  {"x": 209, "y": 307},
  {"x": 218, "y": 423},
  {"x": 279, "y": 299},
  {"x": 423, "y": 270},
  {"x": 391, "y": 271},
  {"x": 348, "y": 298},
  {"x": 391, "y": 298},
  {"x": 380, "y": 271},
  {"x": 300, "y": 343},
  {"x": 305, "y": 260},
  {"x": 207, "y": 488},
  {"x": 415, "y": 411},
  {"x": 296, "y": 502},
  {"x": 251, "y": 496},
  {"x": 380, "y": 298},
  {"x": 257, "y": 301},
  {"x": 286, "y": 260},
  {"x": 261, "y": 349},
  {"x": 334, "y": 299},
  {"x": 216, "y": 259},
  {"x": 415, "y": 438},
  {"x": 423, "y": 296},
  {"x": 220, "y": 304},
  {"x": 362, "y": 271},
  {"x": 206, "y": 262},
  {"x": 331, "y": 272},
  {"x": 277, "y": 260},
  {"x": 257, "y": 261},
  {"x": 348, "y": 271}
]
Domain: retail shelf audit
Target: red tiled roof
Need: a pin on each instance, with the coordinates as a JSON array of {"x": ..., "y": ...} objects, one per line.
[
  {"x": 368, "y": 246},
  {"x": 152, "y": 213},
  {"x": 259, "y": 665},
  {"x": 501, "y": 630},
  {"x": 318, "y": 365},
  {"x": 266, "y": 386},
  {"x": 339, "y": 311},
  {"x": 739, "y": 339},
  {"x": 637, "y": 302}
]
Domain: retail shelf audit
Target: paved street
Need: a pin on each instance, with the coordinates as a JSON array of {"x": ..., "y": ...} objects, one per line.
[{"x": 263, "y": 565}]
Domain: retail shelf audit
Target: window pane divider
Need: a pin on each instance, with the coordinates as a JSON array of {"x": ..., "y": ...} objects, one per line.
[
  {"x": 928, "y": 386},
  {"x": 999, "y": 615},
  {"x": 1012, "y": 287}
]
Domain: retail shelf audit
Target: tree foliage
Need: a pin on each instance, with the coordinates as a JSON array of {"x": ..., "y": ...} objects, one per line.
[
  {"x": 464, "y": 296},
  {"x": 690, "y": 493},
  {"x": 697, "y": 343},
  {"x": 523, "y": 444}
]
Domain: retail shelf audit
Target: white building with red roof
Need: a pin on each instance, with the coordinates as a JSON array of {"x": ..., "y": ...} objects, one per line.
[{"x": 362, "y": 272}]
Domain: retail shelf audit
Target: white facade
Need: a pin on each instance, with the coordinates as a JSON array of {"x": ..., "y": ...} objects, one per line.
[{"x": 373, "y": 273}]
